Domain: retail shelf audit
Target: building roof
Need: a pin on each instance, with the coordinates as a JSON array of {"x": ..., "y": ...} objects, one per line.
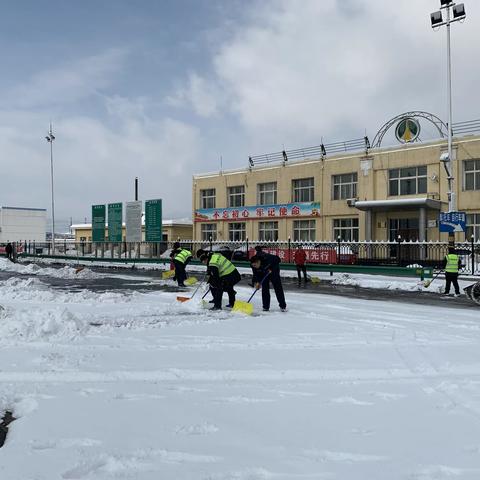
[{"x": 24, "y": 208}]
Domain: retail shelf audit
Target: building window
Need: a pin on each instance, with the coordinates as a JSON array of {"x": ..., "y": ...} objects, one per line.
[
  {"x": 345, "y": 186},
  {"x": 346, "y": 229},
  {"x": 236, "y": 196},
  {"x": 472, "y": 174},
  {"x": 408, "y": 181},
  {"x": 473, "y": 226},
  {"x": 237, "y": 232},
  {"x": 267, "y": 193},
  {"x": 303, "y": 230},
  {"x": 268, "y": 231},
  {"x": 209, "y": 230},
  {"x": 303, "y": 190},
  {"x": 207, "y": 198}
]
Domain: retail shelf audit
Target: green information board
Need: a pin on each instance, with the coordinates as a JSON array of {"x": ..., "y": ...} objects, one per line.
[
  {"x": 98, "y": 223},
  {"x": 114, "y": 222},
  {"x": 153, "y": 220}
]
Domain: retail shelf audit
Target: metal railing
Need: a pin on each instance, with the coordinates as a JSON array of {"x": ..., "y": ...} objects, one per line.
[{"x": 376, "y": 253}]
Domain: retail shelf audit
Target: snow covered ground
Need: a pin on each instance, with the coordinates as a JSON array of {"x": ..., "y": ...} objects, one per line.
[{"x": 129, "y": 385}]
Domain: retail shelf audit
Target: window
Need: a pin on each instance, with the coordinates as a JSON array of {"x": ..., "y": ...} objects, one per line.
[
  {"x": 303, "y": 230},
  {"x": 408, "y": 181},
  {"x": 268, "y": 231},
  {"x": 472, "y": 174},
  {"x": 346, "y": 229},
  {"x": 236, "y": 196},
  {"x": 207, "y": 198},
  {"x": 209, "y": 230},
  {"x": 236, "y": 232},
  {"x": 473, "y": 226},
  {"x": 303, "y": 190},
  {"x": 345, "y": 186},
  {"x": 267, "y": 193}
]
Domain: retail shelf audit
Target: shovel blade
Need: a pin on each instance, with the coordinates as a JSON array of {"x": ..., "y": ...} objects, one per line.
[
  {"x": 183, "y": 299},
  {"x": 168, "y": 274},
  {"x": 314, "y": 279},
  {"x": 191, "y": 281},
  {"x": 243, "y": 307}
]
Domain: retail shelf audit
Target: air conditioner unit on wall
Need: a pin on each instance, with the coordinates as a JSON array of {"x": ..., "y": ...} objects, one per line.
[{"x": 351, "y": 202}]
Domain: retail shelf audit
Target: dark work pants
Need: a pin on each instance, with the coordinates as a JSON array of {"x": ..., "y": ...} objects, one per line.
[
  {"x": 449, "y": 279},
  {"x": 227, "y": 284},
  {"x": 302, "y": 268},
  {"x": 180, "y": 274},
  {"x": 276, "y": 281}
]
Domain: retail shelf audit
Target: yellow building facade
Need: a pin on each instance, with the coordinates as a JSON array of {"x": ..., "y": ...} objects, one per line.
[{"x": 377, "y": 194}]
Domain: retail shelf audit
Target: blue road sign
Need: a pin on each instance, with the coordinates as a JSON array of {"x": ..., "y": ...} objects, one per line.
[{"x": 453, "y": 222}]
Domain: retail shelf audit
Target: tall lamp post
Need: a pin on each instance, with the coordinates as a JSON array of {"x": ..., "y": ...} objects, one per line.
[
  {"x": 50, "y": 138},
  {"x": 453, "y": 13}
]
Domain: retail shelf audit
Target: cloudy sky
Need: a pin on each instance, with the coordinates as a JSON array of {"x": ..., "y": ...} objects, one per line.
[{"x": 161, "y": 89}]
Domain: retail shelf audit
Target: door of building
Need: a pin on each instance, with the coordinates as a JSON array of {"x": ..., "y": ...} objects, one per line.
[{"x": 408, "y": 230}]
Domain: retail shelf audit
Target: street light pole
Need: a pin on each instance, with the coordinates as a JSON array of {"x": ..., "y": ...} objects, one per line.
[
  {"x": 50, "y": 138},
  {"x": 437, "y": 21}
]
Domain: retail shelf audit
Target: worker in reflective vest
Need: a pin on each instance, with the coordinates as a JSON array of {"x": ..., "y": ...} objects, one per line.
[
  {"x": 181, "y": 258},
  {"x": 452, "y": 264},
  {"x": 222, "y": 277}
]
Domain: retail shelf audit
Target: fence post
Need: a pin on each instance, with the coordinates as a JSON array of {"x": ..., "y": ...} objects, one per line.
[
  {"x": 289, "y": 249},
  {"x": 34, "y": 248},
  {"x": 399, "y": 239},
  {"x": 472, "y": 240},
  {"x": 339, "y": 239},
  {"x": 211, "y": 243},
  {"x": 248, "y": 255}
]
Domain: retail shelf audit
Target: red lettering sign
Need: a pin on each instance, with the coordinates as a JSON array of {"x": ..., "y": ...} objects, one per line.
[
  {"x": 216, "y": 215},
  {"x": 225, "y": 214},
  {"x": 235, "y": 213},
  {"x": 271, "y": 212},
  {"x": 260, "y": 212},
  {"x": 283, "y": 211},
  {"x": 295, "y": 210},
  {"x": 245, "y": 214}
]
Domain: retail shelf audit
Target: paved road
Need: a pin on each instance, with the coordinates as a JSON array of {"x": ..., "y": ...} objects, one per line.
[{"x": 150, "y": 280}]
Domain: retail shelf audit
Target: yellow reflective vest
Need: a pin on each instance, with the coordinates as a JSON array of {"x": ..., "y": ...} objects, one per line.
[
  {"x": 452, "y": 263},
  {"x": 183, "y": 255},
  {"x": 224, "y": 266}
]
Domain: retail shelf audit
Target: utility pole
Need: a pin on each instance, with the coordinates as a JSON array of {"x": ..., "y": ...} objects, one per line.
[{"x": 50, "y": 138}]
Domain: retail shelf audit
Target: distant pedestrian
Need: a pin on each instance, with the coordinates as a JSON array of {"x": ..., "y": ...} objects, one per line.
[
  {"x": 9, "y": 251},
  {"x": 266, "y": 268},
  {"x": 452, "y": 265},
  {"x": 300, "y": 257}
]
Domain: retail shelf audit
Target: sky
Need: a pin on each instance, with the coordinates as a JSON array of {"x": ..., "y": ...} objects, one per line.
[{"x": 164, "y": 89}]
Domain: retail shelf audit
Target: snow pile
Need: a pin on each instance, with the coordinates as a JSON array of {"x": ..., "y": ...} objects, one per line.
[
  {"x": 16, "y": 288},
  {"x": 33, "y": 269},
  {"x": 30, "y": 325},
  {"x": 386, "y": 283}
]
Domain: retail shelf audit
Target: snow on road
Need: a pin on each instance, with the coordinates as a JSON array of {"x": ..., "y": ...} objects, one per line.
[{"x": 138, "y": 386}]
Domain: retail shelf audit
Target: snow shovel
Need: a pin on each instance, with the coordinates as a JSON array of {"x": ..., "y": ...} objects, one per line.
[
  {"x": 191, "y": 281},
  {"x": 185, "y": 299},
  {"x": 247, "y": 307},
  {"x": 168, "y": 274},
  {"x": 427, "y": 283},
  {"x": 314, "y": 279},
  {"x": 79, "y": 269}
]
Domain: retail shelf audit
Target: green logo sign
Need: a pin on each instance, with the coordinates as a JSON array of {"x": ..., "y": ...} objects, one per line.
[
  {"x": 407, "y": 130},
  {"x": 153, "y": 220},
  {"x": 98, "y": 223},
  {"x": 114, "y": 222}
]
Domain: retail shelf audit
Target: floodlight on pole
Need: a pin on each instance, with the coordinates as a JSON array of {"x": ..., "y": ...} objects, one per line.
[
  {"x": 437, "y": 21},
  {"x": 50, "y": 139}
]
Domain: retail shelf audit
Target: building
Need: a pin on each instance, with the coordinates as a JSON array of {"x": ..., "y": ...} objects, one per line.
[
  {"x": 324, "y": 194},
  {"x": 171, "y": 230},
  {"x": 22, "y": 224}
]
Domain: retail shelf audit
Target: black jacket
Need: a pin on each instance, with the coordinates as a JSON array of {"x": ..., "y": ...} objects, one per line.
[{"x": 268, "y": 262}]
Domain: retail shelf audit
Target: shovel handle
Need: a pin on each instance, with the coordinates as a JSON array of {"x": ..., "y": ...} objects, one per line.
[{"x": 261, "y": 283}]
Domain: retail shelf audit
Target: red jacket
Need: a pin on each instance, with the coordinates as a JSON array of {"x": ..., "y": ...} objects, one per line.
[{"x": 300, "y": 256}]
